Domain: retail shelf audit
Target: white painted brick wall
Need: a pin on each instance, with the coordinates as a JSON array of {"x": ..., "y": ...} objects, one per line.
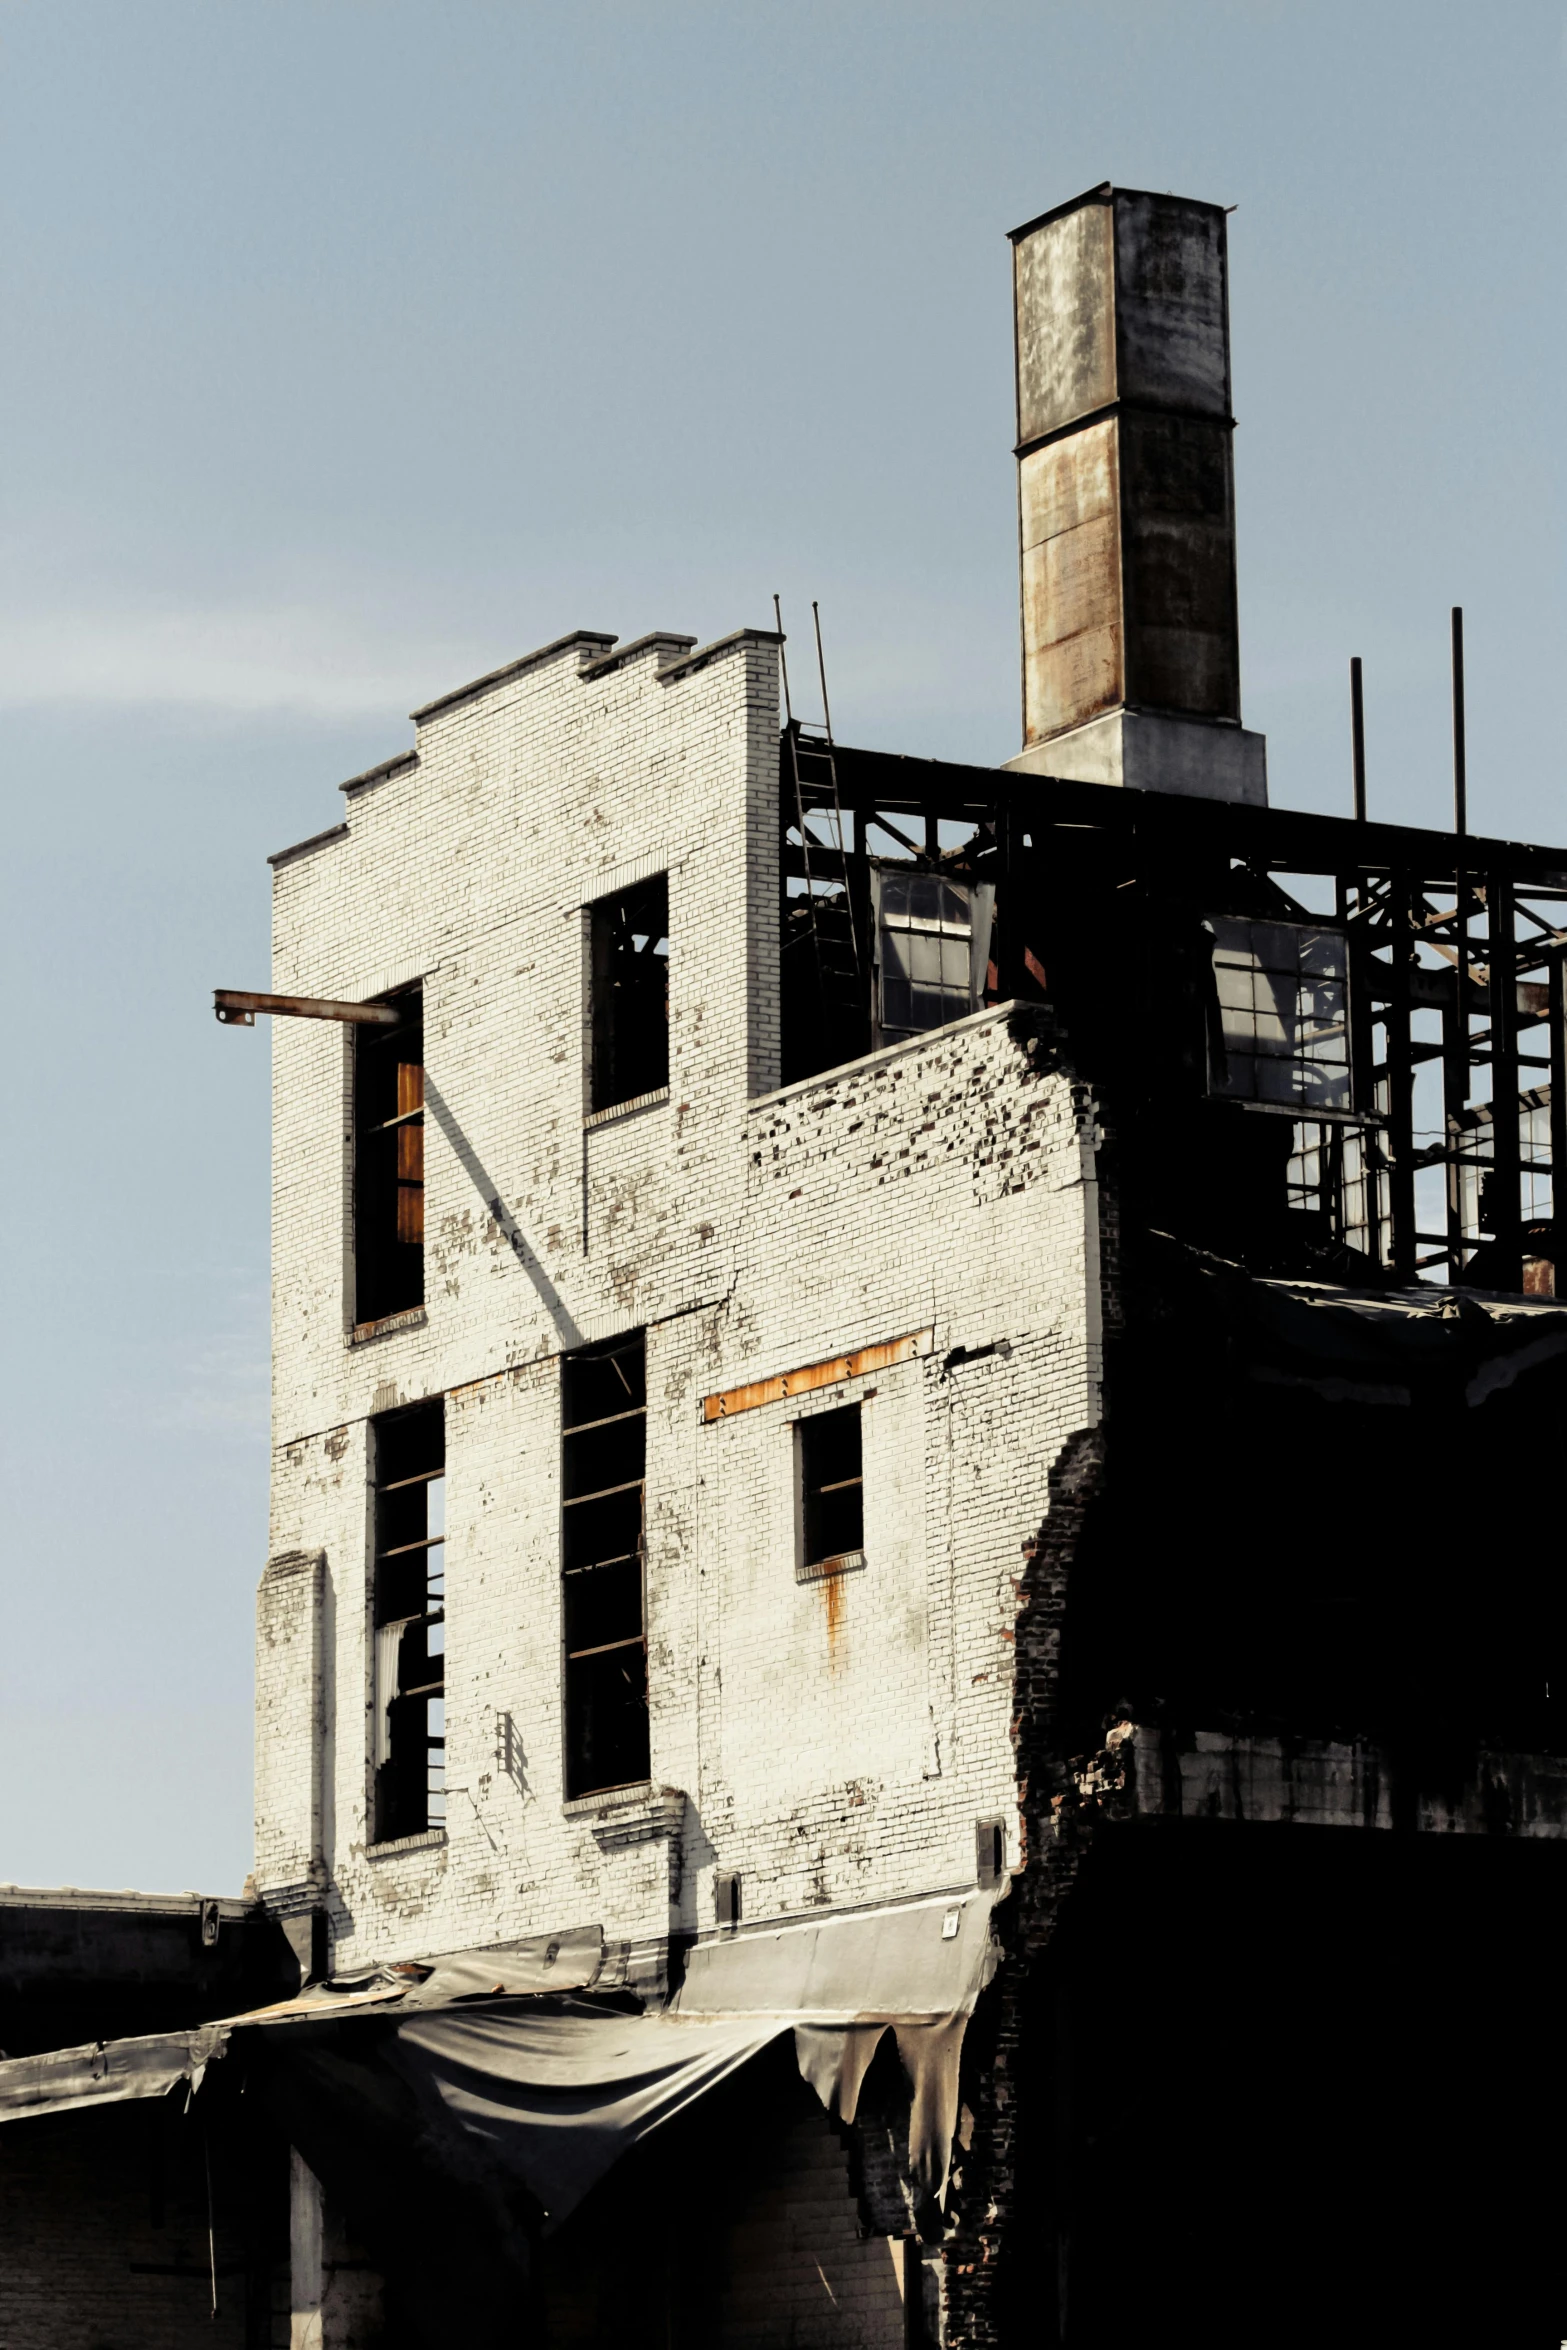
[{"x": 830, "y": 1755}]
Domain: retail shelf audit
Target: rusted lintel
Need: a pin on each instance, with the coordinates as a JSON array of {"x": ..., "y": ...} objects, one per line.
[
  {"x": 237, "y": 1009},
  {"x": 814, "y": 1375}
]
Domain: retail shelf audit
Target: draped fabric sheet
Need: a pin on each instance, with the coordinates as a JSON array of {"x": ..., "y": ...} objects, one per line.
[
  {"x": 553, "y": 2101},
  {"x": 498, "y": 2069},
  {"x": 843, "y": 1983},
  {"x": 105, "y": 2072}
]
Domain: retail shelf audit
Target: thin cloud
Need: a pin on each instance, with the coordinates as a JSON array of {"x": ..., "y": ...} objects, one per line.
[{"x": 296, "y": 657}]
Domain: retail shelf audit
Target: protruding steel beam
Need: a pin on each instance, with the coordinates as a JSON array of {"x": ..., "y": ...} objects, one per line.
[{"x": 237, "y": 1009}]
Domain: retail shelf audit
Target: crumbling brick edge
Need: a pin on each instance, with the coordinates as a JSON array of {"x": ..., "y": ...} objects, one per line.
[{"x": 1061, "y": 1805}]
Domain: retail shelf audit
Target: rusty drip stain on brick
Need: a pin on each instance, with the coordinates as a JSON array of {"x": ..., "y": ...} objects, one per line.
[{"x": 832, "y": 1601}]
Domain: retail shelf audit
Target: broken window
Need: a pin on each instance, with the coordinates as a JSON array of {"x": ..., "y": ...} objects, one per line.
[
  {"x": 389, "y": 1163},
  {"x": 603, "y": 1460},
  {"x": 629, "y": 936},
  {"x": 409, "y": 1615},
  {"x": 932, "y": 948},
  {"x": 1283, "y": 1005},
  {"x": 832, "y": 1487}
]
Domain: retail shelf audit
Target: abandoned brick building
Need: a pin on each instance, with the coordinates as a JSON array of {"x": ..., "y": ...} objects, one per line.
[{"x": 908, "y": 1689}]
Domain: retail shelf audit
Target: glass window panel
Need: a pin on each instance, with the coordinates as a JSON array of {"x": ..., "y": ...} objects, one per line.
[{"x": 897, "y": 1004}]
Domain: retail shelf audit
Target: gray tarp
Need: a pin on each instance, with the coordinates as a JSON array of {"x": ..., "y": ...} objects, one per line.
[
  {"x": 489, "y": 2079},
  {"x": 555, "y": 2100},
  {"x": 844, "y": 1982},
  {"x": 106, "y": 2071}
]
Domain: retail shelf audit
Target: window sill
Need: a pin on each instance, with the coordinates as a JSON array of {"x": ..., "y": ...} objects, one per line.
[
  {"x": 411, "y": 1318},
  {"x": 846, "y": 1562},
  {"x": 629, "y": 1109},
  {"x": 428, "y": 1840},
  {"x": 642, "y": 1813},
  {"x": 580, "y": 1807}
]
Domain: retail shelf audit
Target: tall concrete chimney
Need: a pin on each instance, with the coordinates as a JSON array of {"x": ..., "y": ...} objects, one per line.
[{"x": 1126, "y": 498}]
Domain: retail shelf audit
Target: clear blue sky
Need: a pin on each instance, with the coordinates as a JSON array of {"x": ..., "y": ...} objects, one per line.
[{"x": 352, "y": 349}]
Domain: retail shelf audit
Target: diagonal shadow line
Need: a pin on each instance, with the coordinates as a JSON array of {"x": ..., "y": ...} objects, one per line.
[{"x": 549, "y": 1296}]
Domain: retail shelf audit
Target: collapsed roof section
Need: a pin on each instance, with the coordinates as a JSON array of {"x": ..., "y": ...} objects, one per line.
[{"x": 523, "y": 2067}]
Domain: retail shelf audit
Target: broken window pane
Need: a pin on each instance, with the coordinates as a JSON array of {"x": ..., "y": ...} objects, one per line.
[
  {"x": 389, "y": 1163},
  {"x": 603, "y": 1462},
  {"x": 630, "y": 993},
  {"x": 1283, "y": 1001},
  {"x": 933, "y": 942},
  {"x": 408, "y": 1465},
  {"x": 832, "y": 1485}
]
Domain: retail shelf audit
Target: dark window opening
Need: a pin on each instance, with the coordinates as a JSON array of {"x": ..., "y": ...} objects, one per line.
[
  {"x": 630, "y": 993},
  {"x": 409, "y": 1617},
  {"x": 832, "y": 1486},
  {"x": 603, "y": 1459},
  {"x": 933, "y": 940},
  {"x": 389, "y": 1164}
]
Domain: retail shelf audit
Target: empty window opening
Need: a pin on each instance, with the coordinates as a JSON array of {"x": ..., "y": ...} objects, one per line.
[
  {"x": 1283, "y": 1001},
  {"x": 726, "y": 1901},
  {"x": 389, "y": 1163},
  {"x": 409, "y": 1582},
  {"x": 630, "y": 993},
  {"x": 832, "y": 1486},
  {"x": 932, "y": 949},
  {"x": 603, "y": 1464}
]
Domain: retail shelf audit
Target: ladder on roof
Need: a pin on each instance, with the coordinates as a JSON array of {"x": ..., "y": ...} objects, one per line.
[{"x": 821, "y": 925}]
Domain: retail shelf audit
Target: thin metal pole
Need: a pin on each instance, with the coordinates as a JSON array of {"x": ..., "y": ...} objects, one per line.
[
  {"x": 212, "y": 2232},
  {"x": 1357, "y": 732},
  {"x": 821, "y": 665},
  {"x": 1460, "y": 761},
  {"x": 1506, "y": 1153},
  {"x": 1558, "y": 1009},
  {"x": 783, "y": 661},
  {"x": 1401, "y": 1078}
]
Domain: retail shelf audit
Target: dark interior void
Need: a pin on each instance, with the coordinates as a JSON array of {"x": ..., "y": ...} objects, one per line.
[
  {"x": 69, "y": 1975},
  {"x": 389, "y": 1163},
  {"x": 1295, "y": 2086},
  {"x": 630, "y": 993},
  {"x": 1289, "y": 1021},
  {"x": 1271, "y": 1560},
  {"x": 603, "y": 1459},
  {"x": 655, "y": 2255},
  {"x": 832, "y": 1484},
  {"x": 113, "y": 2221}
]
